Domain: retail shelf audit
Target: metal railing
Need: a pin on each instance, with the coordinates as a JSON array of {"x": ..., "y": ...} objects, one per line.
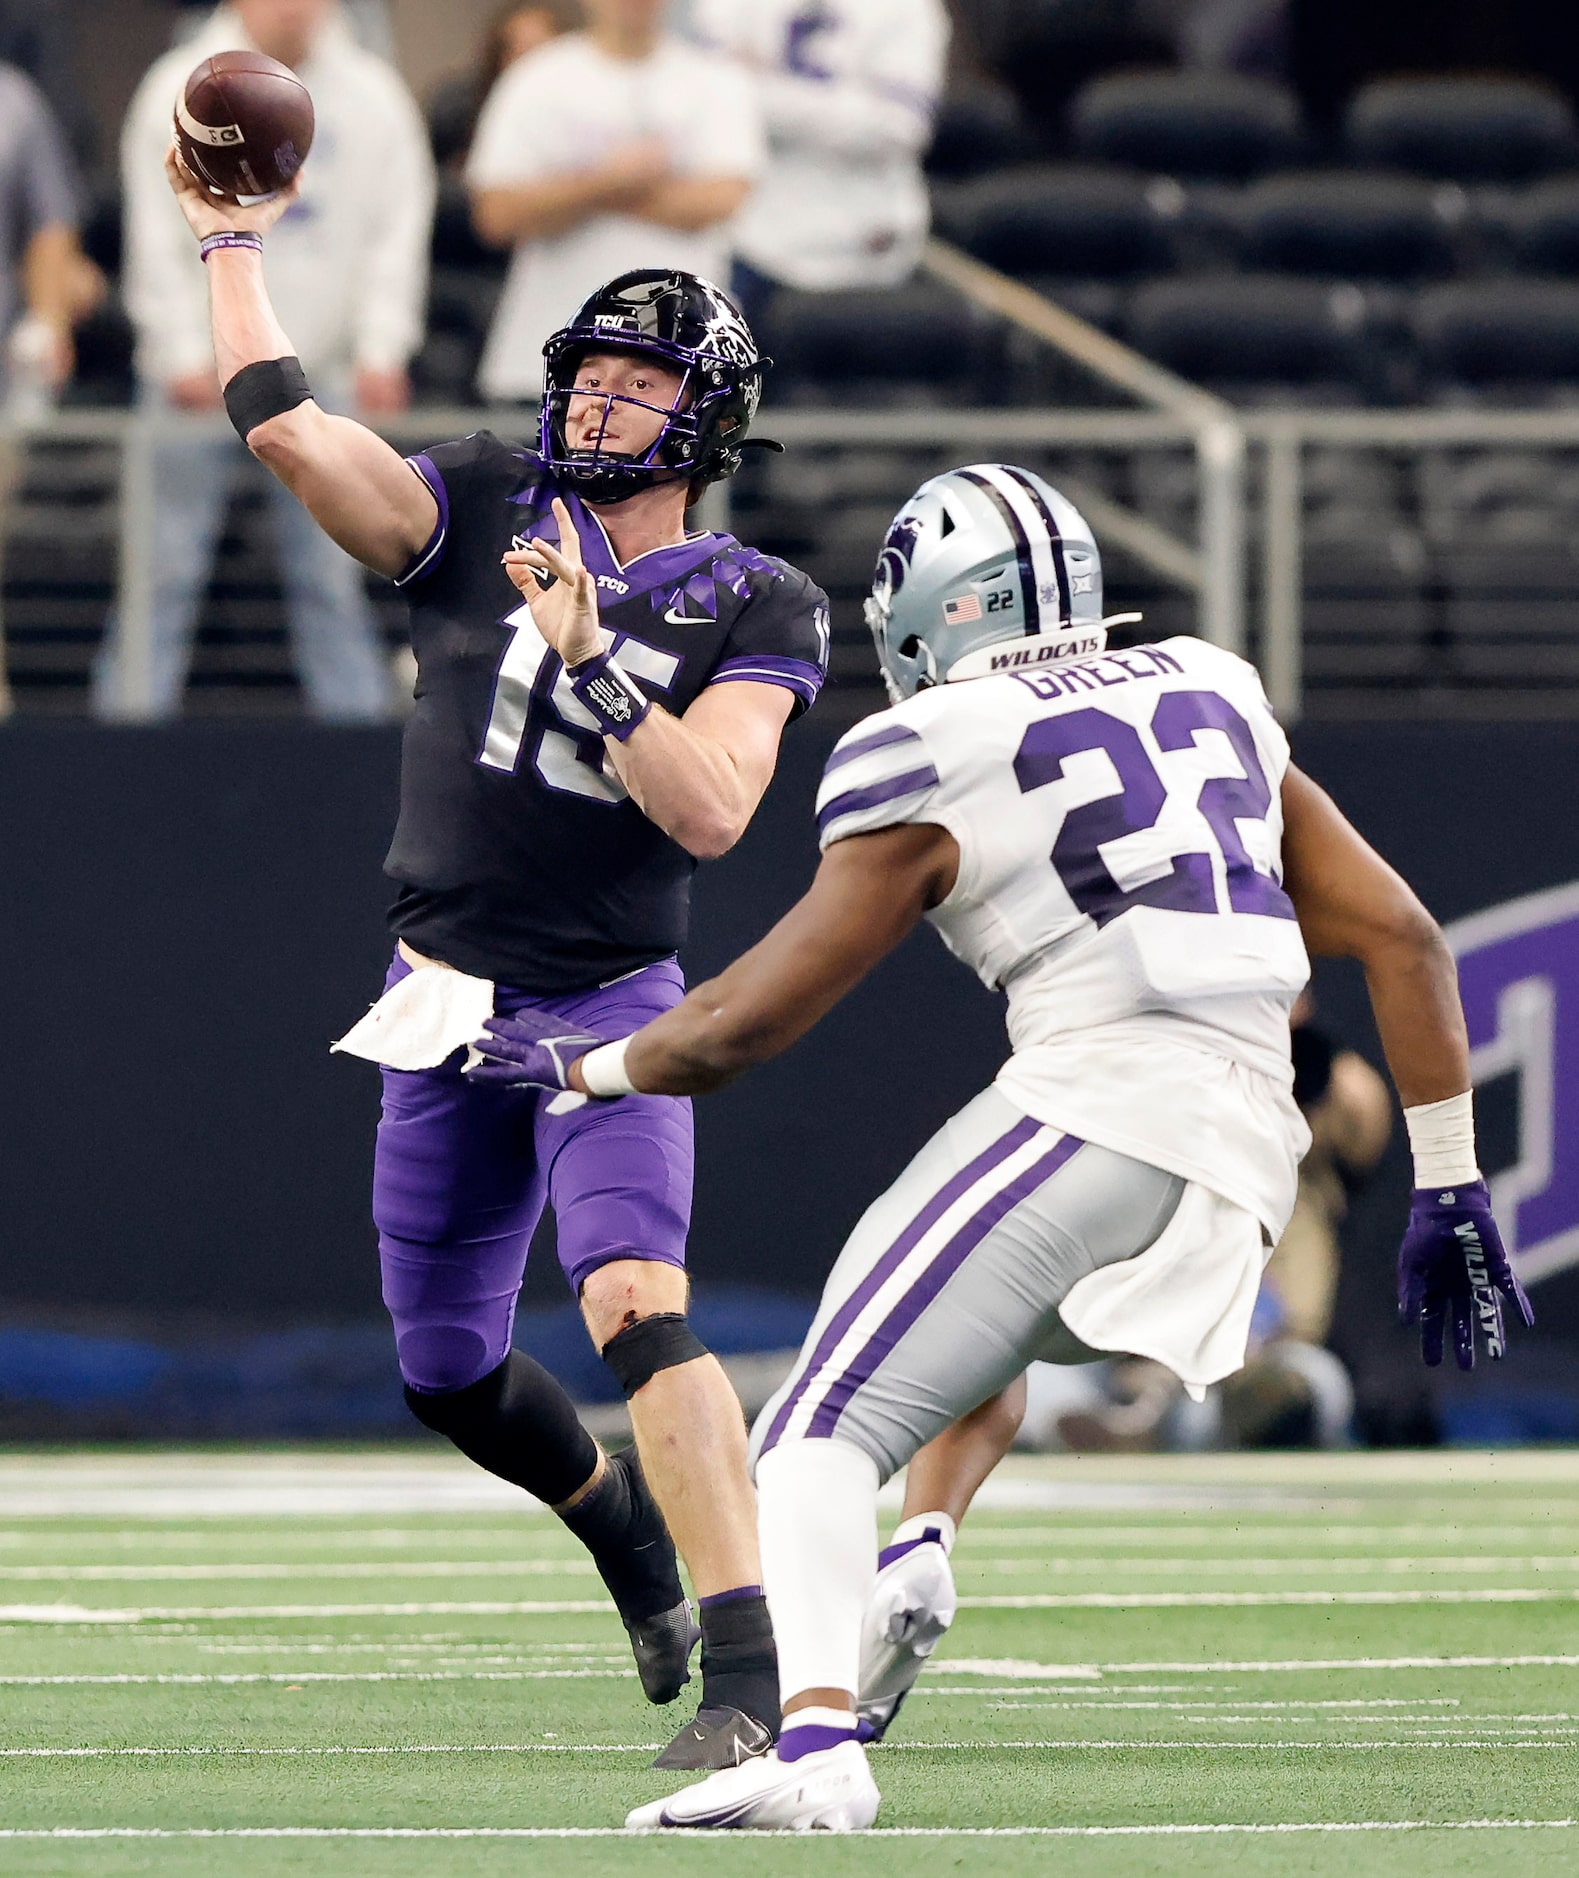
[
  {"x": 1227, "y": 444},
  {"x": 1215, "y": 569}
]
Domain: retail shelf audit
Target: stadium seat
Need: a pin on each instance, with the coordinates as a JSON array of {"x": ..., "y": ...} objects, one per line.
[
  {"x": 1067, "y": 221},
  {"x": 1202, "y": 125},
  {"x": 1347, "y": 226},
  {"x": 1463, "y": 129},
  {"x": 1542, "y": 227},
  {"x": 1047, "y": 51},
  {"x": 918, "y": 343},
  {"x": 1246, "y": 333},
  {"x": 977, "y": 130},
  {"x": 1519, "y": 334}
]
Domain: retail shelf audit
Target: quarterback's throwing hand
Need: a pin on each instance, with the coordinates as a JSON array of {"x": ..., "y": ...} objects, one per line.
[
  {"x": 1452, "y": 1268},
  {"x": 531, "y": 1050},
  {"x": 563, "y": 596},
  {"x": 209, "y": 214}
]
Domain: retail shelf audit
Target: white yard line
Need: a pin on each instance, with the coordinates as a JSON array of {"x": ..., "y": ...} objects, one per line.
[
  {"x": 1294, "y": 1665},
  {"x": 297, "y": 1677},
  {"x": 394, "y": 1568},
  {"x": 1340, "y": 1564},
  {"x": 1031, "y": 1601},
  {"x": 1138, "y": 1744},
  {"x": 91, "y": 1614},
  {"x": 1165, "y": 1600},
  {"x": 730, "y": 1842},
  {"x": 1196, "y": 1533}
]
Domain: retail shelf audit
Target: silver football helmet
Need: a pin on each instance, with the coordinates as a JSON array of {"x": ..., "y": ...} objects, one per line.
[{"x": 984, "y": 569}]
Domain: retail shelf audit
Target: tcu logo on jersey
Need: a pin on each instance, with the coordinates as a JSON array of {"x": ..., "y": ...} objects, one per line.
[{"x": 1518, "y": 969}]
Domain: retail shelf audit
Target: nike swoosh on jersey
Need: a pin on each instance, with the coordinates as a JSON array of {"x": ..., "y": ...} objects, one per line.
[{"x": 686, "y": 619}]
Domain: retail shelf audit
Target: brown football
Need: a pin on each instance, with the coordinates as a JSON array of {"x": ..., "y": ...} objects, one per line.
[{"x": 244, "y": 124}]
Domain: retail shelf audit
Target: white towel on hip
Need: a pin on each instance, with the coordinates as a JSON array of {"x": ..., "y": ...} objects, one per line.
[
  {"x": 421, "y": 1022},
  {"x": 1185, "y": 1301}
]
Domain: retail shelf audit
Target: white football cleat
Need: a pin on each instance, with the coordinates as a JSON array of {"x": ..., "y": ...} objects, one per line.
[
  {"x": 831, "y": 1790},
  {"x": 913, "y": 1603}
]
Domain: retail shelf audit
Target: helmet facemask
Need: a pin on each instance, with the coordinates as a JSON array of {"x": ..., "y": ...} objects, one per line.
[{"x": 679, "y": 322}]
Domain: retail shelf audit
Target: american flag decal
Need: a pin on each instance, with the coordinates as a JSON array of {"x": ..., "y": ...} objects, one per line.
[{"x": 956, "y": 612}]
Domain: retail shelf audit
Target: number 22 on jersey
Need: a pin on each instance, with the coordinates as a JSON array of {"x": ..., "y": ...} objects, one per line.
[{"x": 1190, "y": 884}]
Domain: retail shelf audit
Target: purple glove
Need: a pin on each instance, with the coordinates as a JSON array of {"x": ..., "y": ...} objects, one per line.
[
  {"x": 532, "y": 1049},
  {"x": 1452, "y": 1265}
]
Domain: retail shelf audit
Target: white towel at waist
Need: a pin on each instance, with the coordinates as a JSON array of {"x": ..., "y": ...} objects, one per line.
[
  {"x": 421, "y": 1022},
  {"x": 1185, "y": 1301}
]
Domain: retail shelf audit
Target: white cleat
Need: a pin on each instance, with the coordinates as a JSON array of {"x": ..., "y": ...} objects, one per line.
[
  {"x": 829, "y": 1791},
  {"x": 913, "y": 1603}
]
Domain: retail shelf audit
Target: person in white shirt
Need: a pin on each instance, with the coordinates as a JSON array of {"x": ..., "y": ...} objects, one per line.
[
  {"x": 850, "y": 90},
  {"x": 349, "y": 266},
  {"x": 610, "y": 149}
]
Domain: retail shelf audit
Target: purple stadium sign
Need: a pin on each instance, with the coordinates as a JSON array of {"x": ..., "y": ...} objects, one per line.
[{"x": 1518, "y": 968}]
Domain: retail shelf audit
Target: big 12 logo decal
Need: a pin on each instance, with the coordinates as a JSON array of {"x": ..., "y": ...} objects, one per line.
[{"x": 1518, "y": 972}]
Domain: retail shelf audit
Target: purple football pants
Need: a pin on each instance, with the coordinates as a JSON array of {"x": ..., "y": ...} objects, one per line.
[{"x": 462, "y": 1171}]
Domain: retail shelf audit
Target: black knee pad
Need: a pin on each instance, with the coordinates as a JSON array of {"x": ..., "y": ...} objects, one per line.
[
  {"x": 518, "y": 1422},
  {"x": 457, "y": 1411},
  {"x": 651, "y": 1344}
]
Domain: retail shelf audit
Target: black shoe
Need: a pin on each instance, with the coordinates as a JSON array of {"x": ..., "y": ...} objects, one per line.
[
  {"x": 662, "y": 1646},
  {"x": 643, "y": 1578},
  {"x": 719, "y": 1737}
]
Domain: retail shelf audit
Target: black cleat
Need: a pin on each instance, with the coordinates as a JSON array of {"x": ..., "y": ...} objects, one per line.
[
  {"x": 719, "y": 1737},
  {"x": 643, "y": 1578},
  {"x": 662, "y": 1646}
]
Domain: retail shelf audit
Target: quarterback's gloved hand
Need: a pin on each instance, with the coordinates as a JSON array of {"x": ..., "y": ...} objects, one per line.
[
  {"x": 532, "y": 1049},
  {"x": 1452, "y": 1267}
]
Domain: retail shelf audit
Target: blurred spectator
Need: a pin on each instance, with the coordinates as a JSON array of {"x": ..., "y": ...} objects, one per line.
[
  {"x": 348, "y": 271},
  {"x": 35, "y": 36},
  {"x": 456, "y": 103},
  {"x": 1249, "y": 36},
  {"x": 44, "y": 281},
  {"x": 368, "y": 20},
  {"x": 610, "y": 149},
  {"x": 849, "y": 90}
]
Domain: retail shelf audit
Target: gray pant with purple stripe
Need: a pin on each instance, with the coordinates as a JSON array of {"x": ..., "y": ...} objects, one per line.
[{"x": 951, "y": 1282}]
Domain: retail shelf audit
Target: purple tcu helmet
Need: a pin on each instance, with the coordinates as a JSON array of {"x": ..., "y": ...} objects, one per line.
[{"x": 685, "y": 322}]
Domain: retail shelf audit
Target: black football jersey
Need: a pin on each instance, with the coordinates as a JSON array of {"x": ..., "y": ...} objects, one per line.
[{"x": 519, "y": 855}]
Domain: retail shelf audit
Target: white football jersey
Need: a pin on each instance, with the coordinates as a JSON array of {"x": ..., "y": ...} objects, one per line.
[{"x": 1120, "y": 827}]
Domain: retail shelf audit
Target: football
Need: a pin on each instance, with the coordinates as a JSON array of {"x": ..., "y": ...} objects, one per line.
[{"x": 244, "y": 124}]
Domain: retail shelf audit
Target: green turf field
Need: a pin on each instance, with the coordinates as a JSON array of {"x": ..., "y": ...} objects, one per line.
[{"x": 357, "y": 1664}]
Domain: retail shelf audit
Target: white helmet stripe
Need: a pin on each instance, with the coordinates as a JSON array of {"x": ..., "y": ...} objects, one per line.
[{"x": 1046, "y": 547}]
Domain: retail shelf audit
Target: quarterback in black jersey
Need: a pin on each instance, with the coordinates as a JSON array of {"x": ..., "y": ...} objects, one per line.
[{"x": 599, "y": 702}]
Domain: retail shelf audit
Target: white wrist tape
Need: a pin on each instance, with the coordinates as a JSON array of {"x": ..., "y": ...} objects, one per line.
[
  {"x": 603, "y": 1070},
  {"x": 1442, "y": 1140}
]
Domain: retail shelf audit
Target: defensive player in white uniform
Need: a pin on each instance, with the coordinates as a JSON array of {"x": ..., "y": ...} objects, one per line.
[{"x": 1119, "y": 842}]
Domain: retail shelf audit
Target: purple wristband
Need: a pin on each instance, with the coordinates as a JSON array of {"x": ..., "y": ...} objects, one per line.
[
  {"x": 230, "y": 238},
  {"x": 613, "y": 698}
]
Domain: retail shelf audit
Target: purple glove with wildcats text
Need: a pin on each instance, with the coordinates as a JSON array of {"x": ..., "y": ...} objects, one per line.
[
  {"x": 531, "y": 1050},
  {"x": 1452, "y": 1265}
]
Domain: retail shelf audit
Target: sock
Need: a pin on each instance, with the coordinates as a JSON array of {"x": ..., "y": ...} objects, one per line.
[
  {"x": 620, "y": 1525},
  {"x": 919, "y": 1529},
  {"x": 740, "y": 1666},
  {"x": 817, "y": 1515},
  {"x": 517, "y": 1422},
  {"x": 809, "y": 1730}
]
